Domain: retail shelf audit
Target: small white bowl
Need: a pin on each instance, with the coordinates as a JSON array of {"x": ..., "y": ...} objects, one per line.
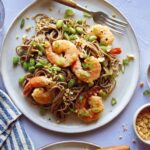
[
  {"x": 134, "y": 122},
  {"x": 148, "y": 75}
]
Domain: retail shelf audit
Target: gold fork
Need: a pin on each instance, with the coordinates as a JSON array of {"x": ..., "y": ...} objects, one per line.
[{"x": 100, "y": 17}]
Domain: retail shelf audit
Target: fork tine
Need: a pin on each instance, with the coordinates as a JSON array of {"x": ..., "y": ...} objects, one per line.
[
  {"x": 114, "y": 27},
  {"x": 117, "y": 21},
  {"x": 118, "y": 30}
]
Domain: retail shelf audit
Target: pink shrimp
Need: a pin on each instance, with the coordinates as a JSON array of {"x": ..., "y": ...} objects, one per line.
[
  {"x": 55, "y": 53},
  {"x": 92, "y": 71},
  {"x": 36, "y": 82}
]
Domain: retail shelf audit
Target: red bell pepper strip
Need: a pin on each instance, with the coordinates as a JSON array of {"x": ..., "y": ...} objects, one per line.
[{"x": 115, "y": 51}]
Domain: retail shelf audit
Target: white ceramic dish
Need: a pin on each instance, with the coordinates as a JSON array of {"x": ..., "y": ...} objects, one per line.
[
  {"x": 126, "y": 83},
  {"x": 70, "y": 145},
  {"x": 134, "y": 122},
  {"x": 148, "y": 75}
]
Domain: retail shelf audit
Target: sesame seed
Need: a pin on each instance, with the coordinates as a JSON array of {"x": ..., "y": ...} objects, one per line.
[
  {"x": 27, "y": 17},
  {"x": 141, "y": 84},
  {"x": 120, "y": 137},
  {"x": 28, "y": 28},
  {"x": 134, "y": 141},
  {"x": 17, "y": 37},
  {"x": 50, "y": 9}
]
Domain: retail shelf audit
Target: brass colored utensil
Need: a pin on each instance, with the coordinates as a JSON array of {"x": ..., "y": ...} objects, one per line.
[
  {"x": 100, "y": 17},
  {"x": 122, "y": 147}
]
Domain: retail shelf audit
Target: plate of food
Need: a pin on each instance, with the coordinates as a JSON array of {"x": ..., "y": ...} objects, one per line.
[
  {"x": 71, "y": 145},
  {"x": 81, "y": 145},
  {"x": 65, "y": 72}
]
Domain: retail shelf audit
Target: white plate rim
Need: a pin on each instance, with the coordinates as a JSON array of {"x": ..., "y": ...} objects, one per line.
[
  {"x": 95, "y": 127},
  {"x": 70, "y": 141}
]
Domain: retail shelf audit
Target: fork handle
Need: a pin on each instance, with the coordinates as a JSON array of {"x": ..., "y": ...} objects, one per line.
[
  {"x": 123, "y": 147},
  {"x": 73, "y": 4}
]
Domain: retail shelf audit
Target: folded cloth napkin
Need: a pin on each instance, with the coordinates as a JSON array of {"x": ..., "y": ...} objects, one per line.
[{"x": 12, "y": 133}]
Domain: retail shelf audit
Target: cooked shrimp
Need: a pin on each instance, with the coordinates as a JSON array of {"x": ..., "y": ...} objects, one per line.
[
  {"x": 89, "y": 107},
  {"x": 55, "y": 53},
  {"x": 41, "y": 96},
  {"x": 92, "y": 69},
  {"x": 36, "y": 82},
  {"x": 104, "y": 33}
]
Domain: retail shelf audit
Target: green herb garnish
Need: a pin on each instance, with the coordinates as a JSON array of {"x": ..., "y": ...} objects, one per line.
[
  {"x": 80, "y": 98},
  {"x": 84, "y": 74},
  {"x": 102, "y": 94},
  {"x": 87, "y": 66},
  {"x": 84, "y": 114},
  {"x": 113, "y": 101},
  {"x": 22, "y": 23},
  {"x": 71, "y": 83},
  {"x": 40, "y": 48},
  {"x": 42, "y": 111},
  {"x": 61, "y": 77},
  {"x": 55, "y": 68},
  {"x": 72, "y": 110},
  {"x": 146, "y": 92},
  {"x": 32, "y": 62},
  {"x": 57, "y": 45},
  {"x": 125, "y": 62},
  {"x": 96, "y": 110}
]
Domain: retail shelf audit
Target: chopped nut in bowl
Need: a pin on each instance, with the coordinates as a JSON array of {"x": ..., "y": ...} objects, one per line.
[{"x": 141, "y": 123}]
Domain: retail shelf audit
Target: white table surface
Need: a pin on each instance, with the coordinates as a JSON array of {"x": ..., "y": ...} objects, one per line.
[{"x": 138, "y": 14}]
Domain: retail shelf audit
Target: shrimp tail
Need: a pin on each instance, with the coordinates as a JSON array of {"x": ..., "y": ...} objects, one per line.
[{"x": 27, "y": 89}]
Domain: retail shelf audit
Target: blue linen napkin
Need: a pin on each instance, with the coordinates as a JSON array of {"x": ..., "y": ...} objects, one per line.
[{"x": 12, "y": 133}]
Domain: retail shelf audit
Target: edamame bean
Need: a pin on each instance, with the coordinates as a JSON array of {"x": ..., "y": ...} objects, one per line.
[
  {"x": 32, "y": 62},
  {"x": 31, "y": 69},
  {"x": 65, "y": 28},
  {"x": 66, "y": 36},
  {"x": 59, "y": 24},
  {"x": 61, "y": 77},
  {"x": 71, "y": 30},
  {"x": 92, "y": 38},
  {"x": 21, "y": 80},
  {"x": 55, "y": 68},
  {"x": 43, "y": 62},
  {"x": 25, "y": 66},
  {"x": 79, "y": 30},
  {"x": 15, "y": 60},
  {"x": 102, "y": 43},
  {"x": 80, "y": 21},
  {"x": 69, "y": 13},
  {"x": 38, "y": 65},
  {"x": 73, "y": 37},
  {"x": 104, "y": 48}
]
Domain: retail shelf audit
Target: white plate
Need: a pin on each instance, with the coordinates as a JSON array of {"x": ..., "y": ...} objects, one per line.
[
  {"x": 126, "y": 83},
  {"x": 71, "y": 145}
]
